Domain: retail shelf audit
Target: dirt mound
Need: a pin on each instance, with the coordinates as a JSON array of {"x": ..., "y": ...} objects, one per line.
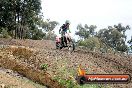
[
  {"x": 8, "y": 61},
  {"x": 45, "y": 52},
  {"x": 28, "y": 43},
  {"x": 11, "y": 79}
]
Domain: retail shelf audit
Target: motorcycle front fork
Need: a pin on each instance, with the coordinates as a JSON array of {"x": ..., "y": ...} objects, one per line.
[{"x": 64, "y": 41}]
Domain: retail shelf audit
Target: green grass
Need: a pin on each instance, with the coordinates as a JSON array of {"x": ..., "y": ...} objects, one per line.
[
  {"x": 44, "y": 66},
  {"x": 66, "y": 76},
  {"x": 91, "y": 86}
]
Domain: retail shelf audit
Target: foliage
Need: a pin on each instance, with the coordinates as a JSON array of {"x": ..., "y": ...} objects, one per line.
[
  {"x": 114, "y": 37},
  {"x": 18, "y": 15},
  {"x": 4, "y": 33},
  {"x": 86, "y": 31},
  {"x": 82, "y": 31},
  {"x": 44, "y": 66},
  {"x": 122, "y": 48},
  {"x": 111, "y": 37},
  {"x": 37, "y": 34},
  {"x": 66, "y": 75},
  {"x": 90, "y": 43},
  {"x": 130, "y": 42},
  {"x": 92, "y": 86},
  {"x": 49, "y": 25},
  {"x": 50, "y": 35},
  {"x": 17, "y": 11},
  {"x": 23, "y": 19},
  {"x": 68, "y": 83}
]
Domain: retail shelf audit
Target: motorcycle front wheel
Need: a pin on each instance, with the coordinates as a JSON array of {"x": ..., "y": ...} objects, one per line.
[{"x": 71, "y": 46}]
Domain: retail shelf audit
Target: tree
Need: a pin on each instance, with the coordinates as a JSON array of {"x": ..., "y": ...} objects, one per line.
[
  {"x": 130, "y": 42},
  {"x": 91, "y": 43},
  {"x": 49, "y": 25},
  {"x": 51, "y": 35},
  {"x": 37, "y": 34},
  {"x": 92, "y": 29},
  {"x": 18, "y": 15},
  {"x": 86, "y": 31},
  {"x": 4, "y": 33},
  {"x": 114, "y": 37}
]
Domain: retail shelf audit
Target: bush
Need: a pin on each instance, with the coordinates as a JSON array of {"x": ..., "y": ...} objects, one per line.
[
  {"x": 44, "y": 67},
  {"x": 37, "y": 34},
  {"x": 50, "y": 36},
  {"x": 4, "y": 33},
  {"x": 66, "y": 82},
  {"x": 90, "y": 43},
  {"x": 122, "y": 48}
]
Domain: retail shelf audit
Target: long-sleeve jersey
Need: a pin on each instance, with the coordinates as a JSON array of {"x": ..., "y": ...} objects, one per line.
[{"x": 64, "y": 28}]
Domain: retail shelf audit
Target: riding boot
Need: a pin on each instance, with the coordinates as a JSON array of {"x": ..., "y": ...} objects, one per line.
[
  {"x": 62, "y": 42},
  {"x": 65, "y": 42}
]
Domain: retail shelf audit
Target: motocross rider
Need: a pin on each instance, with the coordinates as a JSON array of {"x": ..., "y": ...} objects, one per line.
[{"x": 63, "y": 30}]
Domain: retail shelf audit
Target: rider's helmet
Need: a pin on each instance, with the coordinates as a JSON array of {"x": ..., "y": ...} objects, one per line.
[{"x": 67, "y": 22}]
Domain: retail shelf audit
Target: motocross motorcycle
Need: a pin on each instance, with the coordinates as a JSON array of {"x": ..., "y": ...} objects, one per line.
[{"x": 65, "y": 41}]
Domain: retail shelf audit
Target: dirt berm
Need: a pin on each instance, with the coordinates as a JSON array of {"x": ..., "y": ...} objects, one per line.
[
  {"x": 26, "y": 56},
  {"x": 7, "y": 60}
]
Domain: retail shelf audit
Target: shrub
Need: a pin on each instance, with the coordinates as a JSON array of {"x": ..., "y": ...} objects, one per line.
[
  {"x": 66, "y": 82},
  {"x": 44, "y": 67},
  {"x": 4, "y": 33},
  {"x": 90, "y": 43}
]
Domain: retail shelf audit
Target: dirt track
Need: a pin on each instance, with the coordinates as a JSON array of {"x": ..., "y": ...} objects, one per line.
[
  {"x": 10, "y": 79},
  {"x": 94, "y": 62}
]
